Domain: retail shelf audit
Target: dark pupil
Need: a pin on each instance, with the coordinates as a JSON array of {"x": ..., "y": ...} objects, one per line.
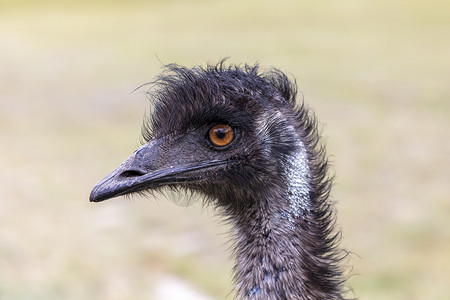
[{"x": 220, "y": 133}]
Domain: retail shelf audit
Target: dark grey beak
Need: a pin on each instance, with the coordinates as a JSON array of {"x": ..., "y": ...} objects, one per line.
[
  {"x": 152, "y": 165},
  {"x": 129, "y": 177}
]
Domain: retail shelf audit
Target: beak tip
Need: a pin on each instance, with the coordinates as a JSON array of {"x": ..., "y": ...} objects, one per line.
[
  {"x": 103, "y": 191},
  {"x": 99, "y": 194},
  {"x": 93, "y": 196}
]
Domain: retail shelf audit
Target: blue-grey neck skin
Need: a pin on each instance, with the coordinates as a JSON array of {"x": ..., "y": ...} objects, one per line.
[
  {"x": 295, "y": 169},
  {"x": 298, "y": 182}
]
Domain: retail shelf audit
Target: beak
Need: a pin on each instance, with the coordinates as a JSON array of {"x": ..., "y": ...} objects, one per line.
[{"x": 152, "y": 165}]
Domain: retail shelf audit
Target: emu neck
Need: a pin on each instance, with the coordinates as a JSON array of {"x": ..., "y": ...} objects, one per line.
[
  {"x": 281, "y": 251},
  {"x": 267, "y": 254}
]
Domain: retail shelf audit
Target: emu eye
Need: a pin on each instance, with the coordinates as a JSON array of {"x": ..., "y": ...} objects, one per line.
[{"x": 221, "y": 135}]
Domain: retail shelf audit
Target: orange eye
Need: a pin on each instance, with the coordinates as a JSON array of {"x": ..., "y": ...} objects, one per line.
[{"x": 221, "y": 135}]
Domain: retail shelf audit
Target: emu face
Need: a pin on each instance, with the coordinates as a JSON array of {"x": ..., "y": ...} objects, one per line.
[
  {"x": 236, "y": 136},
  {"x": 221, "y": 131}
]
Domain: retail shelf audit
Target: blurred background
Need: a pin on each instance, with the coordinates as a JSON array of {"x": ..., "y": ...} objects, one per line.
[{"x": 377, "y": 73}]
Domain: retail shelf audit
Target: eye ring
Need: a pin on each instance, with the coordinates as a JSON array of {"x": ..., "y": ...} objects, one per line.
[{"x": 221, "y": 135}]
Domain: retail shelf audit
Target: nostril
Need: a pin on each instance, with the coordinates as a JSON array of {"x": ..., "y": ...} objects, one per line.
[{"x": 133, "y": 173}]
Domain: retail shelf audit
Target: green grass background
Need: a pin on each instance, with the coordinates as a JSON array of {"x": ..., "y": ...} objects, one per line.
[{"x": 377, "y": 74}]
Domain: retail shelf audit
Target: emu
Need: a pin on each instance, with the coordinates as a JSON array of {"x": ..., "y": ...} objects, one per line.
[{"x": 236, "y": 135}]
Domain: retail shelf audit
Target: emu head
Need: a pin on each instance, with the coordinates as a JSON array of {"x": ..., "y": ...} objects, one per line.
[{"x": 227, "y": 132}]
